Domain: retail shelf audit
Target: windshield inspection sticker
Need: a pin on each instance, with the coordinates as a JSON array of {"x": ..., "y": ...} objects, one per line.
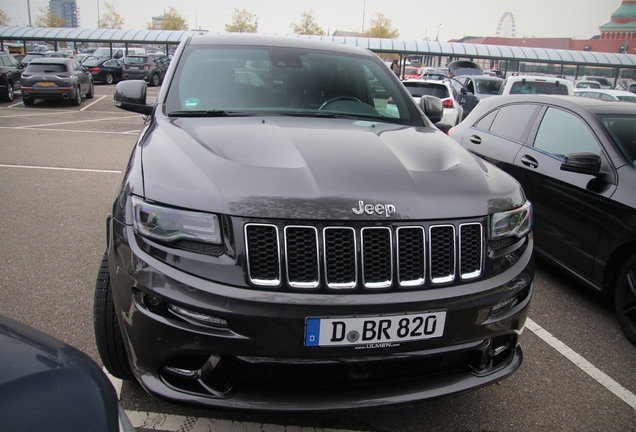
[{"x": 192, "y": 102}]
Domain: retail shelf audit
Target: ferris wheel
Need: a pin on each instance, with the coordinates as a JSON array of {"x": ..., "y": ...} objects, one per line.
[{"x": 506, "y": 26}]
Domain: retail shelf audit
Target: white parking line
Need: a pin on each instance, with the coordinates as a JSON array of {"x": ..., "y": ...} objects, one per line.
[
  {"x": 34, "y": 115},
  {"x": 61, "y": 169},
  {"x": 73, "y": 130},
  {"x": 628, "y": 397},
  {"x": 76, "y": 121},
  {"x": 93, "y": 103}
]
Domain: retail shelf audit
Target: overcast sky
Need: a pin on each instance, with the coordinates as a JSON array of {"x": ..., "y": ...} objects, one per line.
[{"x": 415, "y": 19}]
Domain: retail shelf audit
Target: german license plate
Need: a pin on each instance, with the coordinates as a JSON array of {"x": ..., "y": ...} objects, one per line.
[
  {"x": 45, "y": 84},
  {"x": 344, "y": 331},
  {"x": 134, "y": 68}
]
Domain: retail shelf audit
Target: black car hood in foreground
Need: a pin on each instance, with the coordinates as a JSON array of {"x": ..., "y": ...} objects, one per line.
[
  {"x": 47, "y": 385},
  {"x": 308, "y": 168}
]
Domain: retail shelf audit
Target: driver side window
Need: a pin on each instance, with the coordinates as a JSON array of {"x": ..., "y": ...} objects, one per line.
[{"x": 562, "y": 133}]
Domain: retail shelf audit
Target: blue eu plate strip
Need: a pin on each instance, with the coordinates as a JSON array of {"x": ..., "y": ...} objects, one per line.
[{"x": 312, "y": 332}]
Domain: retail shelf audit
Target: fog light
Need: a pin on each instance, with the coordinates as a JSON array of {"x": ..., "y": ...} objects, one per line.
[
  {"x": 504, "y": 304},
  {"x": 198, "y": 317},
  {"x": 152, "y": 300},
  {"x": 186, "y": 373},
  {"x": 500, "y": 344}
]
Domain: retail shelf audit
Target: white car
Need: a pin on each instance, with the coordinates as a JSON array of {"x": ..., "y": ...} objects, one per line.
[
  {"x": 536, "y": 84},
  {"x": 585, "y": 84},
  {"x": 453, "y": 110},
  {"x": 606, "y": 94}
]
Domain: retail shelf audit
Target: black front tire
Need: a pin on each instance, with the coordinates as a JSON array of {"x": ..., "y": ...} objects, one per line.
[
  {"x": 625, "y": 298},
  {"x": 91, "y": 91},
  {"x": 8, "y": 94},
  {"x": 155, "y": 80},
  {"x": 110, "y": 343},
  {"x": 77, "y": 100}
]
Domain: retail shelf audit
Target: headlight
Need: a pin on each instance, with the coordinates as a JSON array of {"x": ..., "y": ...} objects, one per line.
[
  {"x": 516, "y": 223},
  {"x": 168, "y": 224}
]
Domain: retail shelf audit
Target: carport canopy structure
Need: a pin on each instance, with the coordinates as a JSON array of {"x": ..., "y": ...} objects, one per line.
[
  {"x": 387, "y": 46},
  {"x": 101, "y": 36}
]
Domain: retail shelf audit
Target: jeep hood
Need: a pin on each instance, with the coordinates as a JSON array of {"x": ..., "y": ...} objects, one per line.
[{"x": 311, "y": 168}]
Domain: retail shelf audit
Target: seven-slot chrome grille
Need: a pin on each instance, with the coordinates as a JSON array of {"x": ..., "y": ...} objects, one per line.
[{"x": 374, "y": 257}]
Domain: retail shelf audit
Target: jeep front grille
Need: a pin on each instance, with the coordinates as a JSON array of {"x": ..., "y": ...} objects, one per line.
[{"x": 343, "y": 258}]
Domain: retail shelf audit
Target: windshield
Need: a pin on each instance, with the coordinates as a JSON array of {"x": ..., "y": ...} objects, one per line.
[
  {"x": 623, "y": 130},
  {"x": 589, "y": 84},
  {"x": 538, "y": 87},
  {"x": 488, "y": 86},
  {"x": 101, "y": 52},
  {"x": 45, "y": 68},
  {"x": 30, "y": 57},
  {"x": 419, "y": 89},
  {"x": 602, "y": 81},
  {"x": 136, "y": 59},
  {"x": 287, "y": 81}
]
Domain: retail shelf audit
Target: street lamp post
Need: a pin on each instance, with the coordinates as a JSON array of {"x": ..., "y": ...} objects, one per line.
[
  {"x": 98, "y": 19},
  {"x": 364, "y": 7},
  {"x": 437, "y": 35},
  {"x": 29, "y": 9}
]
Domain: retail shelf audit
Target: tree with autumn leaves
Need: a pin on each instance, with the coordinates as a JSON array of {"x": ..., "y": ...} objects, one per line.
[
  {"x": 4, "y": 18},
  {"x": 307, "y": 25},
  {"x": 111, "y": 19}
]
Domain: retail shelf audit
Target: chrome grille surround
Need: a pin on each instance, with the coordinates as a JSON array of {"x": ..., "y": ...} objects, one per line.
[
  {"x": 263, "y": 269},
  {"x": 372, "y": 257}
]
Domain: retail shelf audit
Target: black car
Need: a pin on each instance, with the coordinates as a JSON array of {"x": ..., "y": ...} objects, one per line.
[
  {"x": 575, "y": 158},
  {"x": 56, "y": 78},
  {"x": 47, "y": 385},
  {"x": 107, "y": 71},
  {"x": 10, "y": 72},
  {"x": 30, "y": 56},
  {"x": 151, "y": 68},
  {"x": 306, "y": 247},
  {"x": 473, "y": 88}
]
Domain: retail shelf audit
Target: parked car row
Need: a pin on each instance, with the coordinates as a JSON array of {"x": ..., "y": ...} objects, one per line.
[
  {"x": 575, "y": 159},
  {"x": 54, "y": 75}
]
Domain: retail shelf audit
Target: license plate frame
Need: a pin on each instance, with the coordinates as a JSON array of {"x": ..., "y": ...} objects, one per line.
[{"x": 376, "y": 329}]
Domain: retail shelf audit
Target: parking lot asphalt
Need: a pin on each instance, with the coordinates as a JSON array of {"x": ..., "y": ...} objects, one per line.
[{"x": 59, "y": 166}]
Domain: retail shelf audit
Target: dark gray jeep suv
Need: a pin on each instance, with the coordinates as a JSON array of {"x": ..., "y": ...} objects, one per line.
[{"x": 313, "y": 243}]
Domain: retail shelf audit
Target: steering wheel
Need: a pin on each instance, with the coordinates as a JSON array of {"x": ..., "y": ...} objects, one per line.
[{"x": 339, "y": 98}]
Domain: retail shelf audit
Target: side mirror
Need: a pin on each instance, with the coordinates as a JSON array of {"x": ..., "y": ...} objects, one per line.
[
  {"x": 583, "y": 163},
  {"x": 131, "y": 96},
  {"x": 432, "y": 107}
]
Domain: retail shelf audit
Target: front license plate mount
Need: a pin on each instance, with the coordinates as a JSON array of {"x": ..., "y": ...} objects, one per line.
[{"x": 352, "y": 331}]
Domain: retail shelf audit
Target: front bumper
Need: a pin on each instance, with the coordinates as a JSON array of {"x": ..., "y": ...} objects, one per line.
[{"x": 260, "y": 361}]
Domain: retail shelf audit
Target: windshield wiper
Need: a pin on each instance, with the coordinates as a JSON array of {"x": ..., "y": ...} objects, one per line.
[
  {"x": 205, "y": 113},
  {"x": 318, "y": 114}
]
